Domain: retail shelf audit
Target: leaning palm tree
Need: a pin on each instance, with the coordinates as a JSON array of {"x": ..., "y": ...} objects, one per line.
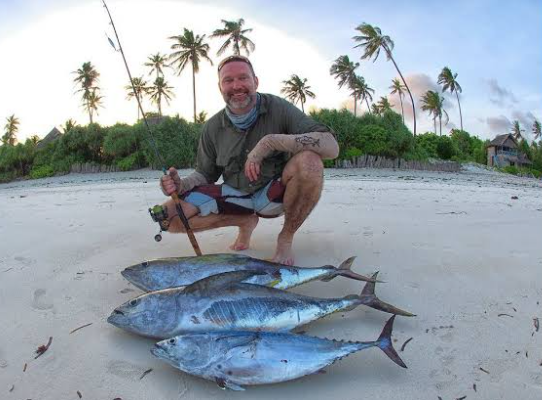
[
  {"x": 157, "y": 62},
  {"x": 433, "y": 102},
  {"x": 375, "y": 109},
  {"x": 235, "y": 34},
  {"x": 516, "y": 130},
  {"x": 139, "y": 89},
  {"x": 11, "y": 128},
  {"x": 87, "y": 78},
  {"x": 449, "y": 82},
  {"x": 372, "y": 40},
  {"x": 344, "y": 70},
  {"x": 398, "y": 88},
  {"x": 360, "y": 90},
  {"x": 189, "y": 49},
  {"x": 536, "y": 129},
  {"x": 93, "y": 101},
  {"x": 160, "y": 91},
  {"x": 384, "y": 105},
  {"x": 296, "y": 89}
]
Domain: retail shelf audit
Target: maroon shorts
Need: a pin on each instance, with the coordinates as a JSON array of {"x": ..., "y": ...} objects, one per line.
[{"x": 223, "y": 199}]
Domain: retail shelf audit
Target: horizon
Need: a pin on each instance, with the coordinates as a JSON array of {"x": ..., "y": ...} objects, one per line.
[{"x": 500, "y": 86}]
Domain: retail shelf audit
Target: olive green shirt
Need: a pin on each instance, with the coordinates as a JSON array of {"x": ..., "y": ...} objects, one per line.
[{"x": 223, "y": 148}]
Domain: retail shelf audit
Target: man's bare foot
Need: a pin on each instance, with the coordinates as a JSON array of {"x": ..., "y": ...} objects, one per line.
[
  {"x": 284, "y": 254},
  {"x": 245, "y": 232}
]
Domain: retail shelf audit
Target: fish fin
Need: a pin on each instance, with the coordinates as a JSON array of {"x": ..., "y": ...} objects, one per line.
[
  {"x": 224, "y": 384},
  {"x": 369, "y": 298},
  {"x": 220, "y": 281},
  {"x": 385, "y": 344},
  {"x": 344, "y": 270}
]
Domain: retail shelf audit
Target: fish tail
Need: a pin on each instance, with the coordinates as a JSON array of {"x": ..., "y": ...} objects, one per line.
[
  {"x": 369, "y": 298},
  {"x": 344, "y": 270},
  {"x": 385, "y": 343}
]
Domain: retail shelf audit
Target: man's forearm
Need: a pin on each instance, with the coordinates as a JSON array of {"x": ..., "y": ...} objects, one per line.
[
  {"x": 322, "y": 143},
  {"x": 191, "y": 181}
]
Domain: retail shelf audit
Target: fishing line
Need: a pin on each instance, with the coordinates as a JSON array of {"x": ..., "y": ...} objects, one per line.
[{"x": 158, "y": 213}]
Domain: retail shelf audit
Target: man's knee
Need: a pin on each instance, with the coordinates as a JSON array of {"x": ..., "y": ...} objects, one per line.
[
  {"x": 306, "y": 165},
  {"x": 175, "y": 224}
]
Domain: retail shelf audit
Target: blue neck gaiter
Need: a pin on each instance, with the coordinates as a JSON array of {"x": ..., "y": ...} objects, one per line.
[{"x": 245, "y": 121}]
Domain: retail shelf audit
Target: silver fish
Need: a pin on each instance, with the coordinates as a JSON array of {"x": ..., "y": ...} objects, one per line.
[
  {"x": 167, "y": 273},
  {"x": 222, "y": 302},
  {"x": 232, "y": 359}
]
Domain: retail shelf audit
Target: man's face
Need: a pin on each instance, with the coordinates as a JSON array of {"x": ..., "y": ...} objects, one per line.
[{"x": 238, "y": 86}]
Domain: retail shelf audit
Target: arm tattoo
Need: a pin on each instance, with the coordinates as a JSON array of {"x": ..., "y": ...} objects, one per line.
[{"x": 308, "y": 141}]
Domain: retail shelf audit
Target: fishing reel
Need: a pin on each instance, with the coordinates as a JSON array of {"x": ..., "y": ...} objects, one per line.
[{"x": 159, "y": 214}]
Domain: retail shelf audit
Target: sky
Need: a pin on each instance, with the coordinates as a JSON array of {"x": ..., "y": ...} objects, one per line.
[{"x": 494, "y": 47}]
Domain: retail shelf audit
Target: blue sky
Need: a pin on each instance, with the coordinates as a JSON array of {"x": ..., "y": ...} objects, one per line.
[{"x": 494, "y": 46}]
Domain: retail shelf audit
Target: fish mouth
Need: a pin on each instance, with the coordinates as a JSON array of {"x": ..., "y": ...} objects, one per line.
[
  {"x": 116, "y": 318},
  {"x": 158, "y": 351}
]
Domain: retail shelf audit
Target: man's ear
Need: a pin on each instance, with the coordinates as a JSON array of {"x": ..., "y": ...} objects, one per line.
[{"x": 256, "y": 81}]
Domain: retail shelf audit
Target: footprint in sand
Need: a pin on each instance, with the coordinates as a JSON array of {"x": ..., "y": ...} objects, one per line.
[
  {"x": 123, "y": 369},
  {"x": 24, "y": 260},
  {"x": 39, "y": 302},
  {"x": 3, "y": 363}
]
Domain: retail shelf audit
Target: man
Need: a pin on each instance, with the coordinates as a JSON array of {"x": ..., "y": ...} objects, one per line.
[{"x": 269, "y": 154}]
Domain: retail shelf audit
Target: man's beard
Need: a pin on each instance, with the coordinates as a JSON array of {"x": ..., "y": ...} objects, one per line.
[{"x": 240, "y": 104}]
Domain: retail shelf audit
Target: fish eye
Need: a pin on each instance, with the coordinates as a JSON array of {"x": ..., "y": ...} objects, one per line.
[
  {"x": 145, "y": 263},
  {"x": 133, "y": 302},
  {"x": 172, "y": 341}
]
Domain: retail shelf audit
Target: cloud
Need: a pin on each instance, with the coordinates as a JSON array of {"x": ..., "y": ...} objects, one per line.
[
  {"x": 499, "y": 95},
  {"x": 499, "y": 125}
]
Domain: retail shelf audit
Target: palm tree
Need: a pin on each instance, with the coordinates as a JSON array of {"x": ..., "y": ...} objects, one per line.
[
  {"x": 398, "y": 88},
  {"x": 372, "y": 40},
  {"x": 344, "y": 70},
  {"x": 69, "y": 125},
  {"x": 202, "y": 117},
  {"x": 87, "y": 77},
  {"x": 536, "y": 129},
  {"x": 139, "y": 89},
  {"x": 384, "y": 105},
  {"x": 157, "y": 62},
  {"x": 516, "y": 130},
  {"x": 360, "y": 90},
  {"x": 448, "y": 82},
  {"x": 296, "y": 89},
  {"x": 12, "y": 127},
  {"x": 234, "y": 32},
  {"x": 189, "y": 49},
  {"x": 433, "y": 102},
  {"x": 93, "y": 101},
  {"x": 375, "y": 109},
  {"x": 160, "y": 90}
]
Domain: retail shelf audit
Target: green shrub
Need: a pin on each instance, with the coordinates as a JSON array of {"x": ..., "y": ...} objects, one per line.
[
  {"x": 510, "y": 169},
  {"x": 42, "y": 171}
]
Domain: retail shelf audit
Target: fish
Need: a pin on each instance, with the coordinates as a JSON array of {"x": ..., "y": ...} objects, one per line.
[
  {"x": 223, "y": 302},
  {"x": 233, "y": 359},
  {"x": 172, "y": 272}
]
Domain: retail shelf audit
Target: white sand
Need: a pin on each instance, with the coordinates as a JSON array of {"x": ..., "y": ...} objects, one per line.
[{"x": 453, "y": 248}]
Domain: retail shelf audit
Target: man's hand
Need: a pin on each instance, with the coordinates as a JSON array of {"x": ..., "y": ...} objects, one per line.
[
  {"x": 252, "y": 170},
  {"x": 171, "y": 183}
]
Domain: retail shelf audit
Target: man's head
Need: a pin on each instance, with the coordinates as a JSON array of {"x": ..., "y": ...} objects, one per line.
[{"x": 237, "y": 83}]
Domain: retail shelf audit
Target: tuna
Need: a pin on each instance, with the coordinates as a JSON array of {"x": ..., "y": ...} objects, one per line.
[
  {"x": 167, "y": 273},
  {"x": 232, "y": 359},
  {"x": 223, "y": 302}
]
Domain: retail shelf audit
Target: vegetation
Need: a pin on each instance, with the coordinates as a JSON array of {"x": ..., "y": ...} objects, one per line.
[
  {"x": 449, "y": 82},
  {"x": 236, "y": 37},
  {"x": 297, "y": 90}
]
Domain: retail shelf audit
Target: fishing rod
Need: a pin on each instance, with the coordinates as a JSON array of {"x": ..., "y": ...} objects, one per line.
[{"x": 158, "y": 213}]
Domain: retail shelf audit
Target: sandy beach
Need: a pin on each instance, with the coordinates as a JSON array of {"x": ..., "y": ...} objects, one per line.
[{"x": 463, "y": 251}]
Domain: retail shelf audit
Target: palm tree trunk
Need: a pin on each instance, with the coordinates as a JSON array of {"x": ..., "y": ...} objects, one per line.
[
  {"x": 407, "y": 88},
  {"x": 459, "y": 105},
  {"x": 355, "y": 106},
  {"x": 402, "y": 112},
  {"x": 368, "y": 106},
  {"x": 194, "y": 90},
  {"x": 159, "y": 105},
  {"x": 302, "y": 107},
  {"x": 440, "y": 123},
  {"x": 435, "y": 123}
]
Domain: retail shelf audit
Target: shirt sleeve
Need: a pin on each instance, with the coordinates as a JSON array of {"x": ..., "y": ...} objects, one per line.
[
  {"x": 206, "y": 158},
  {"x": 297, "y": 122}
]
